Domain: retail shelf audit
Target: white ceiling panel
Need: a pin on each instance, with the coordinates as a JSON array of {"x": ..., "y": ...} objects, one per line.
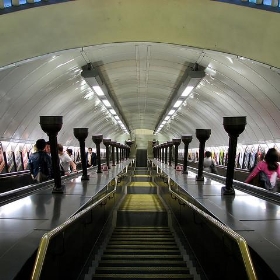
[{"x": 142, "y": 78}]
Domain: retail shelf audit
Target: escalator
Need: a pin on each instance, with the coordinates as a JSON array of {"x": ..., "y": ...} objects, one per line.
[{"x": 142, "y": 245}]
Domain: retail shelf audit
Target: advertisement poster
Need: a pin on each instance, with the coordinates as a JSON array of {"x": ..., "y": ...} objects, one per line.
[
  {"x": 26, "y": 148},
  {"x": 9, "y": 149},
  {"x": 17, "y": 153},
  {"x": 2, "y": 162}
]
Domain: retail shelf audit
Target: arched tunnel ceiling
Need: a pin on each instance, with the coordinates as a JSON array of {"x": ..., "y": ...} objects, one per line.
[{"x": 141, "y": 77}]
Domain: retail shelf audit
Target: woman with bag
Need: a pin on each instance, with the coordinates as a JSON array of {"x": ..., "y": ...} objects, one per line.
[{"x": 269, "y": 168}]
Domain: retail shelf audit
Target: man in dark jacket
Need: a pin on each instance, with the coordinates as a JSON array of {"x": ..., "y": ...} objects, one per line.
[
  {"x": 90, "y": 158},
  {"x": 39, "y": 163}
]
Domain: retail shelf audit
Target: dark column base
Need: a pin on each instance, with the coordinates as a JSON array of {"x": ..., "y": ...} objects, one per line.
[
  {"x": 85, "y": 177},
  {"x": 226, "y": 191},
  {"x": 59, "y": 190},
  {"x": 199, "y": 178}
]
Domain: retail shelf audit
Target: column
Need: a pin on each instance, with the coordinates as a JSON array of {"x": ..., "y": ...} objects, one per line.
[
  {"x": 107, "y": 143},
  {"x": 234, "y": 126},
  {"x": 81, "y": 134},
  {"x": 176, "y": 143},
  {"x": 186, "y": 139},
  {"x": 97, "y": 139},
  {"x": 202, "y": 135},
  {"x": 52, "y": 125}
]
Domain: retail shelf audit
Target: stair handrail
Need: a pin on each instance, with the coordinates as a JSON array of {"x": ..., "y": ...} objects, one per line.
[
  {"x": 241, "y": 242},
  {"x": 43, "y": 247}
]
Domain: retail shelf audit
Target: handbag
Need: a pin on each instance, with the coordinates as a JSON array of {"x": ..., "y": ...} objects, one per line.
[
  {"x": 40, "y": 177},
  {"x": 213, "y": 168},
  {"x": 264, "y": 181}
]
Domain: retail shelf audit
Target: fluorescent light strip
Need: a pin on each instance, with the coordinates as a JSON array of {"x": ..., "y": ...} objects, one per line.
[
  {"x": 98, "y": 90},
  {"x": 171, "y": 112},
  {"x": 187, "y": 91},
  {"x": 178, "y": 103},
  {"x": 106, "y": 103}
]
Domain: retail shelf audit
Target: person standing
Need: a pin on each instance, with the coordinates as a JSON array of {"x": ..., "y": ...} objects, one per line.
[
  {"x": 48, "y": 148},
  {"x": 91, "y": 158},
  {"x": 208, "y": 163},
  {"x": 70, "y": 154},
  {"x": 65, "y": 160},
  {"x": 39, "y": 163},
  {"x": 269, "y": 166}
]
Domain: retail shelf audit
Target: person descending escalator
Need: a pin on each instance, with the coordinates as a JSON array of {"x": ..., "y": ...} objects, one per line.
[{"x": 39, "y": 163}]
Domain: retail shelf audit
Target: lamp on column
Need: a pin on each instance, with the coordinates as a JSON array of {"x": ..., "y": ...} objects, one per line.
[
  {"x": 176, "y": 143},
  {"x": 117, "y": 145},
  {"x": 113, "y": 144},
  {"x": 81, "y": 134},
  {"x": 202, "y": 135},
  {"x": 97, "y": 139},
  {"x": 52, "y": 125},
  {"x": 107, "y": 142},
  {"x": 129, "y": 143},
  {"x": 234, "y": 126},
  {"x": 186, "y": 139},
  {"x": 170, "y": 145}
]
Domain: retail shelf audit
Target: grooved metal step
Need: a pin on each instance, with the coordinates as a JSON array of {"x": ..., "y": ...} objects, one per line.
[
  {"x": 142, "y": 245},
  {"x": 141, "y": 276},
  {"x": 144, "y": 257},
  {"x": 143, "y": 270},
  {"x": 142, "y": 263},
  {"x": 142, "y": 202},
  {"x": 142, "y": 253}
]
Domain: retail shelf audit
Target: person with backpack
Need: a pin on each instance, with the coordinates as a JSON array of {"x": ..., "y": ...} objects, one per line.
[
  {"x": 268, "y": 170},
  {"x": 39, "y": 163}
]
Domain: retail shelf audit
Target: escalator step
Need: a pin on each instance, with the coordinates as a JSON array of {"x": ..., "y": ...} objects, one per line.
[
  {"x": 142, "y": 246},
  {"x": 143, "y": 270},
  {"x": 142, "y": 263},
  {"x": 144, "y": 251},
  {"x": 141, "y": 242},
  {"x": 139, "y": 277},
  {"x": 143, "y": 257}
]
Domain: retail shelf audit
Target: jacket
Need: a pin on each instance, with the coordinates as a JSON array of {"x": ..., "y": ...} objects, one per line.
[{"x": 40, "y": 160}]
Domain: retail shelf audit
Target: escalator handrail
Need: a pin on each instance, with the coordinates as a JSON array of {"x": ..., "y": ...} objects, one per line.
[
  {"x": 241, "y": 242},
  {"x": 14, "y": 174},
  {"x": 45, "y": 240},
  {"x": 248, "y": 188}
]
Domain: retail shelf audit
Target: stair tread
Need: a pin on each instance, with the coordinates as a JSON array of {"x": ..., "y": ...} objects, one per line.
[
  {"x": 143, "y": 257},
  {"x": 141, "y": 245},
  {"x": 141, "y": 242},
  {"x": 128, "y": 250},
  {"x": 148, "y": 261},
  {"x": 144, "y": 269},
  {"x": 137, "y": 276}
]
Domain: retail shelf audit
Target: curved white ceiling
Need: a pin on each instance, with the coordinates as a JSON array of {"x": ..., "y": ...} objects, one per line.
[{"x": 141, "y": 77}]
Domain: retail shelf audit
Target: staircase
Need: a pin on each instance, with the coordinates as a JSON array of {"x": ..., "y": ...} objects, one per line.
[{"x": 142, "y": 245}]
